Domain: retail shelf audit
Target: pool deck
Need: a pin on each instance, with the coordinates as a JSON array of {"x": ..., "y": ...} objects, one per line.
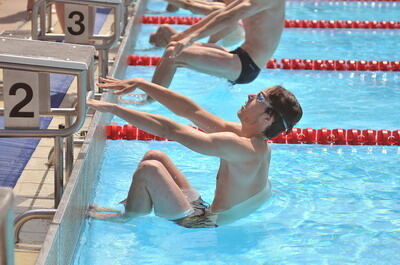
[{"x": 35, "y": 187}]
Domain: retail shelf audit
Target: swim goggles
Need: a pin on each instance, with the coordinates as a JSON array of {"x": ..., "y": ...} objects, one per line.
[{"x": 260, "y": 97}]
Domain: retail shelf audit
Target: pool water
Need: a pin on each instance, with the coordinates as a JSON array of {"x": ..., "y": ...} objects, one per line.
[
  {"x": 319, "y": 10},
  {"x": 336, "y": 44},
  {"x": 330, "y": 99},
  {"x": 329, "y": 204}
]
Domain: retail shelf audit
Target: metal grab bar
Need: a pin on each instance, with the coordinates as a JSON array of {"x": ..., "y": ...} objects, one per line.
[
  {"x": 6, "y": 234},
  {"x": 30, "y": 215}
]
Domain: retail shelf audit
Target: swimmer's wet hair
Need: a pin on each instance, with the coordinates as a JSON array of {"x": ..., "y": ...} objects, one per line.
[{"x": 286, "y": 111}]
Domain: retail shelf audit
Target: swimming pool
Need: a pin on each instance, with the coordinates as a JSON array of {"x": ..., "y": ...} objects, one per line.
[
  {"x": 308, "y": 9},
  {"x": 330, "y": 204}
]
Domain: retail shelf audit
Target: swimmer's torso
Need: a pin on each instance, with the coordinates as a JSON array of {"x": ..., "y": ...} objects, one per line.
[
  {"x": 238, "y": 181},
  {"x": 263, "y": 30}
]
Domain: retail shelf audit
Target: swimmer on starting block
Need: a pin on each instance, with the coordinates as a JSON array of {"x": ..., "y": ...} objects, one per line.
[{"x": 242, "y": 179}]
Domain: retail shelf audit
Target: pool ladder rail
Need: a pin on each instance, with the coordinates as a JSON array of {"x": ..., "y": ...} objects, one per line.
[{"x": 6, "y": 224}]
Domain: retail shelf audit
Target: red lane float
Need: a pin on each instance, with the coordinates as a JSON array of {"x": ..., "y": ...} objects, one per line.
[
  {"x": 300, "y": 64},
  {"x": 296, "y": 136},
  {"x": 289, "y": 23}
]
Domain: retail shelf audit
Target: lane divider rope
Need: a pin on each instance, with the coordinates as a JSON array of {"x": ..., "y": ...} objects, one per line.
[
  {"x": 289, "y": 23},
  {"x": 300, "y": 64},
  {"x": 296, "y": 136}
]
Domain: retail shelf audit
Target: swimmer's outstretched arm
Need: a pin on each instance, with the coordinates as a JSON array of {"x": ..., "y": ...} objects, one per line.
[
  {"x": 197, "y": 6},
  {"x": 225, "y": 145},
  {"x": 221, "y": 19},
  {"x": 177, "y": 103},
  {"x": 222, "y": 34}
]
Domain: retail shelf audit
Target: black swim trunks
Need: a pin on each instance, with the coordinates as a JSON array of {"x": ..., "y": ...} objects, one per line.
[
  {"x": 249, "y": 71},
  {"x": 200, "y": 218}
]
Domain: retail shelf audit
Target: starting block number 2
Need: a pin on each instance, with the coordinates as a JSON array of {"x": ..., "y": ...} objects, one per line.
[{"x": 21, "y": 99}]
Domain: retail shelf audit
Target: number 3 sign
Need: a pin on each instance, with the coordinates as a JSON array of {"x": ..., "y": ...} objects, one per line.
[
  {"x": 21, "y": 99},
  {"x": 76, "y": 23}
]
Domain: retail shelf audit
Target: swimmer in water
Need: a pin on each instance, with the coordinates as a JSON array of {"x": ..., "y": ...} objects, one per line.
[
  {"x": 263, "y": 23},
  {"x": 242, "y": 180},
  {"x": 229, "y": 36}
]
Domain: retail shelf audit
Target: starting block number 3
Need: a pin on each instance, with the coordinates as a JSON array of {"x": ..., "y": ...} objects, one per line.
[
  {"x": 77, "y": 23},
  {"x": 21, "y": 99}
]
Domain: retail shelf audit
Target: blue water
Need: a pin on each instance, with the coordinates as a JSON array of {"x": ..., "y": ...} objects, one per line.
[
  {"x": 330, "y": 204},
  {"x": 328, "y": 10},
  {"x": 362, "y": 100}
]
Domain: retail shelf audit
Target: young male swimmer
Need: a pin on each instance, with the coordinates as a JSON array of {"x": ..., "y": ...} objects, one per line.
[
  {"x": 242, "y": 180},
  {"x": 263, "y": 23}
]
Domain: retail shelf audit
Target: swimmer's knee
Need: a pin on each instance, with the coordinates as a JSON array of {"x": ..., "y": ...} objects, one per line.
[
  {"x": 150, "y": 167},
  {"x": 154, "y": 155},
  {"x": 171, "y": 47},
  {"x": 165, "y": 27},
  {"x": 169, "y": 51},
  {"x": 152, "y": 39}
]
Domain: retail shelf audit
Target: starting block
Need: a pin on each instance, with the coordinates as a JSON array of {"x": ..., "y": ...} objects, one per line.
[{"x": 26, "y": 67}]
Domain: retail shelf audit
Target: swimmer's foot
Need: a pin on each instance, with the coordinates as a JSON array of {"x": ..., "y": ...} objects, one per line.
[
  {"x": 96, "y": 208},
  {"x": 92, "y": 213},
  {"x": 123, "y": 202}
]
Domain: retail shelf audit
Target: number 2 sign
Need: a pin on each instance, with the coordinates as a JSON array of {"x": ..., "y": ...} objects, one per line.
[
  {"x": 76, "y": 23},
  {"x": 21, "y": 99}
]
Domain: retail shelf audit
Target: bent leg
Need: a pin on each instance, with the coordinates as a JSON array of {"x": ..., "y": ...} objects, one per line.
[
  {"x": 156, "y": 183},
  {"x": 175, "y": 173},
  {"x": 153, "y": 186},
  {"x": 209, "y": 60}
]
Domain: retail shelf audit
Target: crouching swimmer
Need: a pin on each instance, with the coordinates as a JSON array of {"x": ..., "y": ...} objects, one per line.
[{"x": 242, "y": 183}]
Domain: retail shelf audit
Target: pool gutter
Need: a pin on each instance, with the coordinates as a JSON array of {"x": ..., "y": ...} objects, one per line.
[{"x": 65, "y": 229}]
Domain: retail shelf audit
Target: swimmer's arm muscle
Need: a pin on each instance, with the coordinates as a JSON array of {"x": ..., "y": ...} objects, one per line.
[
  {"x": 226, "y": 17},
  {"x": 201, "y": 7},
  {"x": 185, "y": 107},
  {"x": 221, "y": 34},
  {"x": 225, "y": 145},
  {"x": 196, "y": 26}
]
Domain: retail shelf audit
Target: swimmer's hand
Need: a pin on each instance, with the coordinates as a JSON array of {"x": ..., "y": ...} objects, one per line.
[
  {"x": 102, "y": 106},
  {"x": 120, "y": 86},
  {"x": 180, "y": 45}
]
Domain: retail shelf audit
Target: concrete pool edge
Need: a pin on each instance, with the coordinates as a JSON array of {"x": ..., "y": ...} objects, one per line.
[{"x": 64, "y": 231}]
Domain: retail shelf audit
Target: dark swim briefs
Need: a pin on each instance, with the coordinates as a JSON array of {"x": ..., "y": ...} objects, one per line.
[
  {"x": 249, "y": 71},
  {"x": 200, "y": 218}
]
